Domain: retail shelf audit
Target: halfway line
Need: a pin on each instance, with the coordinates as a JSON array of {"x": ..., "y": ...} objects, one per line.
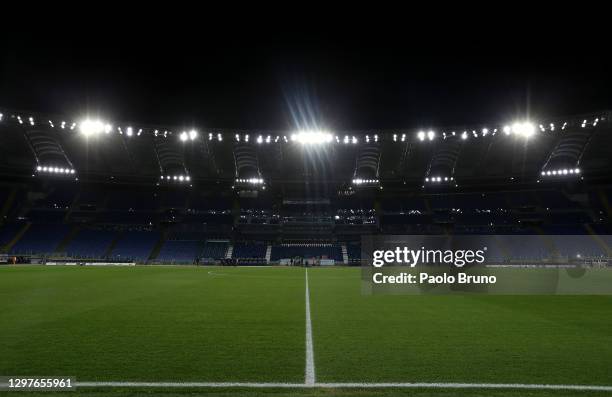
[{"x": 309, "y": 378}]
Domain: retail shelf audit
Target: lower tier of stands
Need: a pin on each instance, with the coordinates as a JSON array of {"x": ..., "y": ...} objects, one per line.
[
  {"x": 78, "y": 242},
  {"x": 319, "y": 251}
]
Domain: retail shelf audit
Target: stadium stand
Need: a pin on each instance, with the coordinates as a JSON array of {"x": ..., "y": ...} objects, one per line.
[
  {"x": 307, "y": 251},
  {"x": 249, "y": 250},
  {"x": 254, "y": 206},
  {"x": 135, "y": 245},
  {"x": 214, "y": 250},
  {"x": 41, "y": 239},
  {"x": 179, "y": 251},
  {"x": 8, "y": 233},
  {"x": 90, "y": 244},
  {"x": 354, "y": 253}
]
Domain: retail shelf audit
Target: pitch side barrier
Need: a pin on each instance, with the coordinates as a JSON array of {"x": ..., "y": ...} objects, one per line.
[
  {"x": 487, "y": 264},
  {"x": 88, "y": 263}
]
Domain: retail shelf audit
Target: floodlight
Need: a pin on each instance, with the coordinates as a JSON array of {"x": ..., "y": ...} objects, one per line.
[
  {"x": 129, "y": 131},
  {"x": 507, "y": 129},
  {"x": 193, "y": 134},
  {"x": 430, "y": 135},
  {"x": 525, "y": 129},
  {"x": 91, "y": 127},
  {"x": 421, "y": 135},
  {"x": 183, "y": 137},
  {"x": 313, "y": 137}
]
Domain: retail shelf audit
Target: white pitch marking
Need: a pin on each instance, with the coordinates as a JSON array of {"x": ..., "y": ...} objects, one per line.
[
  {"x": 310, "y": 366},
  {"x": 517, "y": 386},
  {"x": 191, "y": 384}
]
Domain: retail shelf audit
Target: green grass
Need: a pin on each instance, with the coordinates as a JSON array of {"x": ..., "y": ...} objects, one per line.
[
  {"x": 247, "y": 324},
  {"x": 494, "y": 339},
  {"x": 153, "y": 323}
]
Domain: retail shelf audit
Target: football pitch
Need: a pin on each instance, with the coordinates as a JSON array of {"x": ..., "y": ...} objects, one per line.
[{"x": 184, "y": 330}]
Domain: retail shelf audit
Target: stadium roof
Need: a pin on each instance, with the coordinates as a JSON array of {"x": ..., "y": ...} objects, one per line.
[{"x": 88, "y": 147}]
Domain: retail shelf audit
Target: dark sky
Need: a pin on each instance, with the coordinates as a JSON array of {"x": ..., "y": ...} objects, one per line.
[{"x": 346, "y": 79}]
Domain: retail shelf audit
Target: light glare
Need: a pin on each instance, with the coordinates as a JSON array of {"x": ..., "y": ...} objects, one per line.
[{"x": 312, "y": 137}]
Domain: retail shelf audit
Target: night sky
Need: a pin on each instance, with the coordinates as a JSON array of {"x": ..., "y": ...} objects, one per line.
[{"x": 287, "y": 79}]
